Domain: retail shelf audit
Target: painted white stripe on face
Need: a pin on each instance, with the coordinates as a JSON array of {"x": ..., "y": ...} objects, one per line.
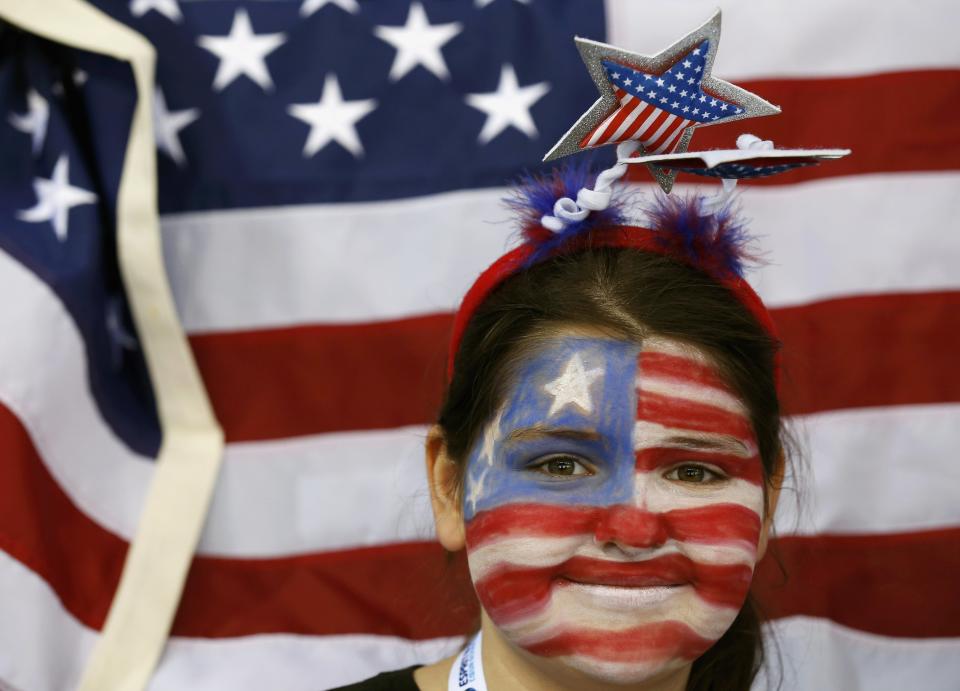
[
  {"x": 650, "y": 435},
  {"x": 584, "y": 607},
  {"x": 543, "y": 552},
  {"x": 658, "y": 495},
  {"x": 696, "y": 393}
]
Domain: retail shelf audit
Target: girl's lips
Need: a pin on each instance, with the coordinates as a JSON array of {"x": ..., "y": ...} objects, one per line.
[
  {"x": 625, "y": 580},
  {"x": 660, "y": 572},
  {"x": 621, "y": 597}
]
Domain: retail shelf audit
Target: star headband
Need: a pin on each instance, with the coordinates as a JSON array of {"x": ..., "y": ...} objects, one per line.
[{"x": 649, "y": 107}]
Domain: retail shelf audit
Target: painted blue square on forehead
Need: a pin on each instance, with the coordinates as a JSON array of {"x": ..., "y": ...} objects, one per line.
[{"x": 571, "y": 383}]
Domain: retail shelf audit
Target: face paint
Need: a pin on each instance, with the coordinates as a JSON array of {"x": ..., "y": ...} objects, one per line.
[{"x": 613, "y": 507}]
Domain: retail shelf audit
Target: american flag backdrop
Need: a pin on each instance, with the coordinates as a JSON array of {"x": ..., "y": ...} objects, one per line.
[{"x": 328, "y": 175}]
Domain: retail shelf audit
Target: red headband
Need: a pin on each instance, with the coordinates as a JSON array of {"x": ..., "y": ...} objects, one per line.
[{"x": 624, "y": 236}]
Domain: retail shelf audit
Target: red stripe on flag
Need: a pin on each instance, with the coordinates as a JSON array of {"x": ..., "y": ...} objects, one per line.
[
  {"x": 619, "y": 116},
  {"x": 44, "y": 530},
  {"x": 642, "y": 124},
  {"x": 303, "y": 380},
  {"x": 874, "y": 350},
  {"x": 829, "y": 113},
  {"x": 644, "y": 134},
  {"x": 280, "y": 383},
  {"x": 878, "y": 583},
  {"x": 893, "y": 585}
]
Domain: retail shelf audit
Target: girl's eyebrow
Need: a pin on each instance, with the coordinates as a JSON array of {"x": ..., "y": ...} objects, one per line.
[
  {"x": 537, "y": 432},
  {"x": 708, "y": 443}
]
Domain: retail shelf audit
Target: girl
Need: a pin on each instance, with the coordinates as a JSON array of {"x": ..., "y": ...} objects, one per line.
[{"x": 609, "y": 456}]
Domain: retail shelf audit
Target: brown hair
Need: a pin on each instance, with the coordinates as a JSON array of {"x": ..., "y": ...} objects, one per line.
[{"x": 629, "y": 294}]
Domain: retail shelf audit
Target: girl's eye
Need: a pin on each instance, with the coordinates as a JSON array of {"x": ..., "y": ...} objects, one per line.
[
  {"x": 694, "y": 474},
  {"x": 562, "y": 466}
]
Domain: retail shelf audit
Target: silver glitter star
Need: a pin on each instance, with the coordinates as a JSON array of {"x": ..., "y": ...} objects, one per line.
[{"x": 593, "y": 53}]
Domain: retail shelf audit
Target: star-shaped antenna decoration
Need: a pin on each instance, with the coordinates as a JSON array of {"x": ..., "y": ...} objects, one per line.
[{"x": 657, "y": 100}]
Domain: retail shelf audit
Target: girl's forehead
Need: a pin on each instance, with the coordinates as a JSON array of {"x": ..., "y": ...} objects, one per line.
[
  {"x": 575, "y": 381},
  {"x": 604, "y": 356}
]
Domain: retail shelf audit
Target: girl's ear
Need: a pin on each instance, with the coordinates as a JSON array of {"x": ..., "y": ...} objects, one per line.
[
  {"x": 442, "y": 474},
  {"x": 774, "y": 485}
]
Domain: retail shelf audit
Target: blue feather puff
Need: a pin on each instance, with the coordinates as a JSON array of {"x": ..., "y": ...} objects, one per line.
[{"x": 715, "y": 243}]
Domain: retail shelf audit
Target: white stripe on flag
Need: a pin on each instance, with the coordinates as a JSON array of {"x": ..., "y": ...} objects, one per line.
[
  {"x": 655, "y": 137},
  {"x": 822, "y": 239},
  {"x": 820, "y": 654},
  {"x": 768, "y": 38},
  {"x": 647, "y": 124},
  {"x": 629, "y": 120},
  {"x": 599, "y": 135},
  {"x": 673, "y": 135}
]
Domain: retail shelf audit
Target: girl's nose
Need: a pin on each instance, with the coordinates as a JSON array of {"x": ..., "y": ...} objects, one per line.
[{"x": 629, "y": 526}]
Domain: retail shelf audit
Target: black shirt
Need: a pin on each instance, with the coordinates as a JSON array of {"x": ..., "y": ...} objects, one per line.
[{"x": 400, "y": 680}]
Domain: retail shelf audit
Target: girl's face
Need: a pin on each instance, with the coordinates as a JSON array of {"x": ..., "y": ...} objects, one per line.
[{"x": 613, "y": 507}]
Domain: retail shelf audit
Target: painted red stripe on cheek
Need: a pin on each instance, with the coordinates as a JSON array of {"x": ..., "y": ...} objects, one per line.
[
  {"x": 649, "y": 643},
  {"x": 688, "y": 370},
  {"x": 682, "y": 414},
  {"x": 662, "y": 458},
  {"x": 510, "y": 594},
  {"x": 713, "y": 524}
]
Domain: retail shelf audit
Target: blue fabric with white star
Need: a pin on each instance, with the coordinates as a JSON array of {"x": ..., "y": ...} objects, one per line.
[
  {"x": 83, "y": 135},
  {"x": 245, "y": 149},
  {"x": 233, "y": 140},
  {"x": 677, "y": 91}
]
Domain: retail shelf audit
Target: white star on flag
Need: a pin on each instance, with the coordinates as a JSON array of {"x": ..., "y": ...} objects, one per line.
[
  {"x": 168, "y": 8},
  {"x": 242, "y": 52},
  {"x": 34, "y": 121},
  {"x": 572, "y": 387},
  {"x": 508, "y": 106},
  {"x": 310, "y": 6},
  {"x": 167, "y": 125},
  {"x": 55, "y": 197},
  {"x": 418, "y": 42},
  {"x": 332, "y": 118}
]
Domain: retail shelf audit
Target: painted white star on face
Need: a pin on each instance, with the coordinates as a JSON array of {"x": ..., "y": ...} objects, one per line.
[
  {"x": 491, "y": 435},
  {"x": 168, "y": 8},
  {"x": 332, "y": 119},
  {"x": 476, "y": 488},
  {"x": 508, "y": 106},
  {"x": 55, "y": 197},
  {"x": 242, "y": 52},
  {"x": 167, "y": 126},
  {"x": 572, "y": 387},
  {"x": 310, "y": 6},
  {"x": 34, "y": 121},
  {"x": 418, "y": 42}
]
